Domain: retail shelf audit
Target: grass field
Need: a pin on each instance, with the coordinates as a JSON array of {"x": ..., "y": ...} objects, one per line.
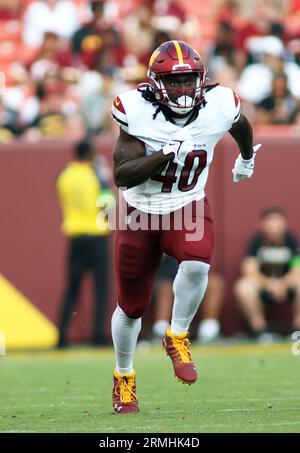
[{"x": 244, "y": 388}]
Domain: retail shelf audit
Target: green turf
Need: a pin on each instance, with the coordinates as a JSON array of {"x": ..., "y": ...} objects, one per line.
[{"x": 240, "y": 389}]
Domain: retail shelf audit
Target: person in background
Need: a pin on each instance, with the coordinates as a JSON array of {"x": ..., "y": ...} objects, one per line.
[
  {"x": 60, "y": 17},
  {"x": 255, "y": 81},
  {"x": 280, "y": 107},
  {"x": 10, "y": 10},
  {"x": 270, "y": 272},
  {"x": 223, "y": 50},
  {"x": 9, "y": 127},
  {"x": 57, "y": 117},
  {"x": 79, "y": 187},
  {"x": 51, "y": 54},
  {"x": 209, "y": 327},
  {"x": 86, "y": 42}
]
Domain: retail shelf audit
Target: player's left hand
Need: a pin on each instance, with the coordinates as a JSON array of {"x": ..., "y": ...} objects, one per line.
[{"x": 243, "y": 169}]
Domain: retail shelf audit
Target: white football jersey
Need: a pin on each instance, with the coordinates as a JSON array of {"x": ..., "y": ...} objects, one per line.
[{"x": 175, "y": 186}]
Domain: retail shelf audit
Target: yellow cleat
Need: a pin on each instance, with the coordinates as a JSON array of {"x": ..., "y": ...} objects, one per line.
[
  {"x": 177, "y": 348},
  {"x": 124, "y": 398}
]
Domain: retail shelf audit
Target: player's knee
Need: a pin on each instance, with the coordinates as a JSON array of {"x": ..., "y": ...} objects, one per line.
[
  {"x": 133, "y": 311},
  {"x": 194, "y": 270}
]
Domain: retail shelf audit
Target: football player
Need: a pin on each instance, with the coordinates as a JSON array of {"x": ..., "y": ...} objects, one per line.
[{"x": 168, "y": 131}]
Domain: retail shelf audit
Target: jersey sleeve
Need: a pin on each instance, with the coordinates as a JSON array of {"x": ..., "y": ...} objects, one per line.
[
  {"x": 237, "y": 107},
  {"x": 228, "y": 107},
  {"x": 118, "y": 113}
]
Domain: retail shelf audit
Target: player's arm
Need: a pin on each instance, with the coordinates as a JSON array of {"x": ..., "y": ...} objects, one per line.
[
  {"x": 242, "y": 133},
  {"x": 131, "y": 165}
]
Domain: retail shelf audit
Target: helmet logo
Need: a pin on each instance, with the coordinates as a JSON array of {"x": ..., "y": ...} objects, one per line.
[{"x": 182, "y": 67}]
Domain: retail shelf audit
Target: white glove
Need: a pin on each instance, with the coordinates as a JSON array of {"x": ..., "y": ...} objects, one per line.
[
  {"x": 181, "y": 145},
  {"x": 243, "y": 168}
]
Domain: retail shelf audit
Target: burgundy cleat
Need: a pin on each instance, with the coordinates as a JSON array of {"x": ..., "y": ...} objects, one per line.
[
  {"x": 123, "y": 394},
  {"x": 177, "y": 348}
]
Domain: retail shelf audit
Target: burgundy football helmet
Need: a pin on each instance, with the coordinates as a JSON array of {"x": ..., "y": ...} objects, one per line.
[{"x": 171, "y": 58}]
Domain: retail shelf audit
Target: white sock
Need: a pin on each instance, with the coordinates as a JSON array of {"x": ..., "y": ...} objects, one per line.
[
  {"x": 159, "y": 327},
  {"x": 125, "y": 332},
  {"x": 189, "y": 288}
]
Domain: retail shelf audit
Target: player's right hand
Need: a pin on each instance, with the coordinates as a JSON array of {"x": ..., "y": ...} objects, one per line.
[{"x": 181, "y": 145}]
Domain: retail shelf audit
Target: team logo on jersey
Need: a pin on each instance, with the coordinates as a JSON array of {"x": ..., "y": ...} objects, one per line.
[
  {"x": 236, "y": 99},
  {"x": 118, "y": 104}
]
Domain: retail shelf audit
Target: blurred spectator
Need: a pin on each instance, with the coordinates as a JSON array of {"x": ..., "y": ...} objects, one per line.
[
  {"x": 58, "y": 16},
  {"x": 90, "y": 28},
  {"x": 98, "y": 44},
  {"x": 280, "y": 107},
  {"x": 211, "y": 307},
  {"x": 87, "y": 41},
  {"x": 153, "y": 22},
  {"x": 158, "y": 38},
  {"x": 270, "y": 272},
  {"x": 256, "y": 79},
  {"x": 139, "y": 30},
  {"x": 19, "y": 86},
  {"x": 57, "y": 118},
  {"x": 8, "y": 124},
  {"x": 10, "y": 9},
  {"x": 171, "y": 8},
  {"x": 266, "y": 18},
  {"x": 169, "y": 15},
  {"x": 112, "y": 52},
  {"x": 79, "y": 187},
  {"x": 223, "y": 52},
  {"x": 97, "y": 94},
  {"x": 50, "y": 55},
  {"x": 226, "y": 76},
  {"x": 292, "y": 20},
  {"x": 293, "y": 47}
]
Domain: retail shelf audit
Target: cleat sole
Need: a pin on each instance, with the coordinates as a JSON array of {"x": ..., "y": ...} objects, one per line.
[{"x": 183, "y": 382}]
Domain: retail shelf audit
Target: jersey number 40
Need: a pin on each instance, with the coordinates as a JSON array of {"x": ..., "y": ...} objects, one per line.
[{"x": 169, "y": 177}]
